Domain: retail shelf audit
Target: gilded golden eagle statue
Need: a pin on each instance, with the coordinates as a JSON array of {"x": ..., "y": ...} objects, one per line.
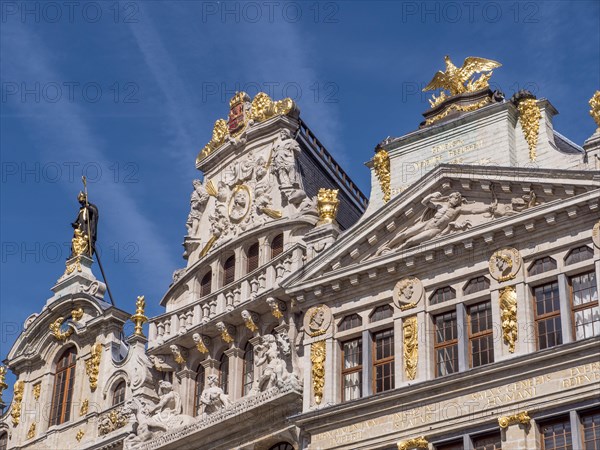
[{"x": 458, "y": 80}]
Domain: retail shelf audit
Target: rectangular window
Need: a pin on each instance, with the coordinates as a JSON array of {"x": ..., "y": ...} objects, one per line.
[
  {"x": 352, "y": 369},
  {"x": 446, "y": 344},
  {"x": 547, "y": 315},
  {"x": 481, "y": 340},
  {"x": 590, "y": 422},
  {"x": 556, "y": 434},
  {"x": 490, "y": 441},
  {"x": 383, "y": 361},
  {"x": 584, "y": 301},
  {"x": 456, "y": 445}
]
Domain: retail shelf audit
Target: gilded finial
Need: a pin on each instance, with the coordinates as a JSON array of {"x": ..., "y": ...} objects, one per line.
[
  {"x": 327, "y": 205},
  {"x": 139, "y": 318},
  {"x": 595, "y": 105}
]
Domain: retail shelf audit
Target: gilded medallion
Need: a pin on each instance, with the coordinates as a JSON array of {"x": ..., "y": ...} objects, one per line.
[
  {"x": 239, "y": 203},
  {"x": 505, "y": 264}
]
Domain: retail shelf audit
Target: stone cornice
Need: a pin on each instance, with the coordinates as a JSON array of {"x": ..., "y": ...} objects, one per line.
[
  {"x": 474, "y": 380},
  {"x": 356, "y": 234}
]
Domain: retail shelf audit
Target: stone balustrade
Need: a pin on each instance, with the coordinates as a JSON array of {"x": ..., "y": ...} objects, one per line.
[{"x": 203, "y": 310}]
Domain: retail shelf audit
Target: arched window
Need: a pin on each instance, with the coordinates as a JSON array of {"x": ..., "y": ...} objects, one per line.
[
  {"x": 229, "y": 270},
  {"x": 282, "y": 446},
  {"x": 542, "y": 265},
  {"x": 381, "y": 312},
  {"x": 224, "y": 373},
  {"x": 349, "y": 322},
  {"x": 252, "y": 258},
  {"x": 277, "y": 246},
  {"x": 199, "y": 388},
  {"x": 206, "y": 284},
  {"x": 64, "y": 380},
  {"x": 3, "y": 441},
  {"x": 442, "y": 294},
  {"x": 477, "y": 284},
  {"x": 579, "y": 254},
  {"x": 118, "y": 396},
  {"x": 248, "y": 378}
]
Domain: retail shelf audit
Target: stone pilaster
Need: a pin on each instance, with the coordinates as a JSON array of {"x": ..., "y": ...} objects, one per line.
[
  {"x": 187, "y": 389},
  {"x": 236, "y": 368}
]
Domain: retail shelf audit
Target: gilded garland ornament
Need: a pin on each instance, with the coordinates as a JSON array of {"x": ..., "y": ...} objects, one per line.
[
  {"x": 411, "y": 347},
  {"x": 37, "y": 391},
  {"x": 31, "y": 431},
  {"x": 327, "y": 205},
  {"x": 3, "y": 384},
  {"x": 83, "y": 409},
  {"x": 77, "y": 314},
  {"x": 18, "y": 390},
  {"x": 521, "y": 418},
  {"x": 508, "y": 316},
  {"x": 112, "y": 421},
  {"x": 317, "y": 359},
  {"x": 92, "y": 365},
  {"x": 381, "y": 165},
  {"x": 529, "y": 117},
  {"x": 409, "y": 444},
  {"x": 79, "y": 435},
  {"x": 139, "y": 318},
  {"x": 595, "y": 108},
  {"x": 60, "y": 329}
]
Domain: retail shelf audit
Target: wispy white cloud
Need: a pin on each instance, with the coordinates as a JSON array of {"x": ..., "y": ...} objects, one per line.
[{"x": 62, "y": 133}]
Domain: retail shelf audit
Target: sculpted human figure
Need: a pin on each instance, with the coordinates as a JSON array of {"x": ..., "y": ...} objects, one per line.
[
  {"x": 447, "y": 210},
  {"x": 239, "y": 205},
  {"x": 198, "y": 202},
  {"x": 275, "y": 371},
  {"x": 165, "y": 415},
  {"x": 86, "y": 224},
  {"x": 284, "y": 159},
  {"x": 213, "y": 398}
]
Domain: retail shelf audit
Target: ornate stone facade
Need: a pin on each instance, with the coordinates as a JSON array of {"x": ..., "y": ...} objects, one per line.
[{"x": 462, "y": 305}]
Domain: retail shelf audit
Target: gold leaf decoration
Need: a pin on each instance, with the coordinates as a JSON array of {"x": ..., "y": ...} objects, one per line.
[
  {"x": 57, "y": 332},
  {"x": 419, "y": 442},
  {"x": 529, "y": 117},
  {"x": 381, "y": 165},
  {"x": 508, "y": 315},
  {"x": 92, "y": 365},
  {"x": 595, "y": 105},
  {"x": 79, "y": 435},
  {"x": 317, "y": 358},
  {"x": 522, "y": 418},
  {"x": 411, "y": 347},
  {"x": 327, "y": 205},
  {"x": 37, "y": 390},
  {"x": 18, "y": 390},
  {"x": 459, "y": 108},
  {"x": 31, "y": 431}
]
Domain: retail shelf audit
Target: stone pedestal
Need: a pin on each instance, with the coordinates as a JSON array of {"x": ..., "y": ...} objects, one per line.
[
  {"x": 321, "y": 237},
  {"x": 519, "y": 436},
  {"x": 78, "y": 277},
  {"x": 592, "y": 150}
]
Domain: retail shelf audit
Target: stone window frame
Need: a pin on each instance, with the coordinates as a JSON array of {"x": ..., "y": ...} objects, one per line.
[
  {"x": 66, "y": 403},
  {"x": 248, "y": 348},
  {"x": 118, "y": 389},
  {"x": 228, "y": 272},
  {"x": 349, "y": 318},
  {"x": 574, "y": 416},
  {"x": 3, "y": 440},
  {"x": 274, "y": 252},
  {"x": 539, "y": 265},
  {"x": 386, "y": 308},
  {"x": 208, "y": 273},
  {"x": 476, "y": 281},
  {"x": 252, "y": 261},
  {"x": 224, "y": 382},
  {"x": 468, "y": 439},
  {"x": 447, "y": 292},
  {"x": 383, "y": 361},
  {"x": 446, "y": 343},
  {"x": 488, "y": 333},
  {"x": 578, "y": 251},
  {"x": 557, "y": 313},
  {"x": 589, "y": 305},
  {"x": 359, "y": 368}
]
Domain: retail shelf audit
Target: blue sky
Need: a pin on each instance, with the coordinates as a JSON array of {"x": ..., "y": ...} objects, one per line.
[{"x": 126, "y": 93}]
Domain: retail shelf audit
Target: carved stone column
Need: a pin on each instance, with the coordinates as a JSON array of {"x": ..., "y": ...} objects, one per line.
[
  {"x": 236, "y": 367},
  {"x": 211, "y": 366},
  {"x": 254, "y": 341}
]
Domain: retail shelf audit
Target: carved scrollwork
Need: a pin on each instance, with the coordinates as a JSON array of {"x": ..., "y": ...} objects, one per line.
[
  {"x": 409, "y": 444},
  {"x": 521, "y": 418},
  {"x": 61, "y": 329}
]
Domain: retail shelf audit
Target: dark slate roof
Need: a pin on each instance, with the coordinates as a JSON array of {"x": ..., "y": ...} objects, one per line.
[{"x": 566, "y": 146}]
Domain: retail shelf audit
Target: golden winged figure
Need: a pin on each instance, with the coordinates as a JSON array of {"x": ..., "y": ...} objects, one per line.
[{"x": 454, "y": 78}]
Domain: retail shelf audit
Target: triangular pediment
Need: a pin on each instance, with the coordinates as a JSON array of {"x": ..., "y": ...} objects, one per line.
[{"x": 452, "y": 204}]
